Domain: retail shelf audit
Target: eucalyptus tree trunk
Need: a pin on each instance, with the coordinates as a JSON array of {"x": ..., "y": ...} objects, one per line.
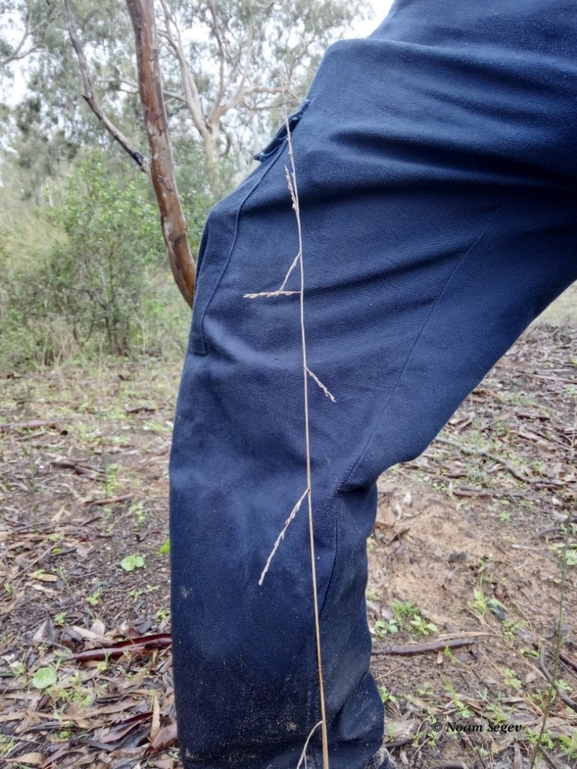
[{"x": 161, "y": 165}]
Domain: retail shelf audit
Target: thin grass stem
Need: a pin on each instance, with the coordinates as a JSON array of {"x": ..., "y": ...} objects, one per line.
[{"x": 293, "y": 187}]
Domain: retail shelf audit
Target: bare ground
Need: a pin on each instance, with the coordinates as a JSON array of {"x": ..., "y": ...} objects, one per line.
[{"x": 473, "y": 550}]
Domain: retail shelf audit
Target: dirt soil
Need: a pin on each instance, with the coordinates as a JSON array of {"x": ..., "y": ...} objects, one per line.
[{"x": 473, "y": 554}]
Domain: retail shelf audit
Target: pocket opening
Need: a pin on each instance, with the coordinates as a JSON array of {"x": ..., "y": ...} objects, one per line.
[{"x": 279, "y": 138}]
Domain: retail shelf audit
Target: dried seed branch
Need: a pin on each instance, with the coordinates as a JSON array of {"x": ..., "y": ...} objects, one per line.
[
  {"x": 326, "y": 391},
  {"x": 280, "y": 291},
  {"x": 280, "y": 537},
  {"x": 304, "y": 752},
  {"x": 269, "y": 294}
]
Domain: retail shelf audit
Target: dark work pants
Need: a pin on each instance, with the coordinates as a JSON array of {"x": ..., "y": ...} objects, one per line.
[{"x": 436, "y": 163}]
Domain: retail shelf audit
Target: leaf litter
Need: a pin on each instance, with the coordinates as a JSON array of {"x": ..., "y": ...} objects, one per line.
[{"x": 464, "y": 582}]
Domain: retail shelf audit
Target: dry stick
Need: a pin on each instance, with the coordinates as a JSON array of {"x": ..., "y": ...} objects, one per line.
[
  {"x": 434, "y": 646},
  {"x": 31, "y": 424},
  {"x": 292, "y": 180}
]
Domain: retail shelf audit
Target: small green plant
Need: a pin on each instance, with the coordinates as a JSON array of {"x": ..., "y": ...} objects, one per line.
[
  {"x": 421, "y": 626},
  {"x": 66, "y": 732},
  {"x": 569, "y": 744},
  {"x": 137, "y": 510},
  {"x": 426, "y": 690},
  {"x": 164, "y": 549},
  {"x": 111, "y": 482},
  {"x": 462, "y": 709},
  {"x": 409, "y": 616},
  {"x": 60, "y": 618},
  {"x": 94, "y": 598},
  {"x": 162, "y": 615},
  {"x": 538, "y": 739},
  {"x": 510, "y": 678},
  {"x": 530, "y": 653},
  {"x": 386, "y": 695},
  {"x": 132, "y": 562},
  {"x": 383, "y": 628},
  {"x": 404, "y": 611},
  {"x": 479, "y": 602},
  {"x": 6, "y": 744},
  {"x": 44, "y": 678},
  {"x": 568, "y": 554},
  {"x": 62, "y": 573},
  {"x": 497, "y": 713}
]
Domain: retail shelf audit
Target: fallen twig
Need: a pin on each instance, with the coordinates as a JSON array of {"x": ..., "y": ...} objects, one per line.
[
  {"x": 142, "y": 643},
  {"x": 434, "y": 646},
  {"x": 31, "y": 424},
  {"x": 108, "y": 500}
]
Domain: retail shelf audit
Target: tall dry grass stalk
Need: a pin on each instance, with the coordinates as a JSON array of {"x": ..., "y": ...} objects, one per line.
[{"x": 298, "y": 262}]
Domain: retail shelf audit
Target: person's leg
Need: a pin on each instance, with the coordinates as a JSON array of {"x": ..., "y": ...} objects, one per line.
[{"x": 422, "y": 266}]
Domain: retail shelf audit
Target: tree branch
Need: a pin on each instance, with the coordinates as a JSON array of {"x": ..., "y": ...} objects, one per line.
[
  {"x": 171, "y": 34},
  {"x": 88, "y": 94},
  {"x": 15, "y": 55},
  {"x": 18, "y": 53}
]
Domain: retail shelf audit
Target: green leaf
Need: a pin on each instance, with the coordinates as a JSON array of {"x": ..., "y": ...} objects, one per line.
[
  {"x": 44, "y": 677},
  {"x": 132, "y": 562},
  {"x": 164, "y": 549}
]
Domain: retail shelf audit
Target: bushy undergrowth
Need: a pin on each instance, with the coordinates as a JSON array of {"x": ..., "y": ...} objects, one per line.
[{"x": 88, "y": 275}]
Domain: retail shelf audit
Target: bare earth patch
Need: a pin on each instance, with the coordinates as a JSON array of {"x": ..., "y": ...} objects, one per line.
[{"x": 466, "y": 571}]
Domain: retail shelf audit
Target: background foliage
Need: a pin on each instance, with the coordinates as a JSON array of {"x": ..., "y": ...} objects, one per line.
[{"x": 83, "y": 264}]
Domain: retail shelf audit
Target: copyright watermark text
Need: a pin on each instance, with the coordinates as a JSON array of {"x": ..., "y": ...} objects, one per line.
[{"x": 488, "y": 726}]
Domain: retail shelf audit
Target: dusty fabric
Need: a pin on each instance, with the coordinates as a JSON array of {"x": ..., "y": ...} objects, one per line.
[{"x": 436, "y": 164}]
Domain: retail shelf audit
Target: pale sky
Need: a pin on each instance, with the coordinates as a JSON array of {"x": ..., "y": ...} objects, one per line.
[{"x": 380, "y": 10}]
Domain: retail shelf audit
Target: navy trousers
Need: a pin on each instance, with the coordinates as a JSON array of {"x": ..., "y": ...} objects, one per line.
[{"x": 436, "y": 163}]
